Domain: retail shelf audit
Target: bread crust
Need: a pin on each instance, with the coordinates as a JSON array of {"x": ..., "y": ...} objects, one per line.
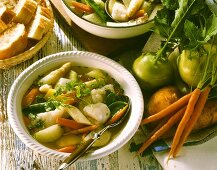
[
  {"x": 16, "y": 44},
  {"x": 3, "y": 26},
  {"x": 25, "y": 11},
  {"x": 38, "y": 27},
  {"x": 6, "y": 15},
  {"x": 44, "y": 11}
]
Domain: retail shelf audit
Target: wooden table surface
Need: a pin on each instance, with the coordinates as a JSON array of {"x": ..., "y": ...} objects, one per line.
[{"x": 14, "y": 155}]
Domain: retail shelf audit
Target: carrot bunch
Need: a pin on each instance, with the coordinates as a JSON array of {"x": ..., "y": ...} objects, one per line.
[{"x": 184, "y": 111}]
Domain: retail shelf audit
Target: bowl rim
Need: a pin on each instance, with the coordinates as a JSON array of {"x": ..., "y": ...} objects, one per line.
[
  {"x": 36, "y": 146},
  {"x": 105, "y": 26}
]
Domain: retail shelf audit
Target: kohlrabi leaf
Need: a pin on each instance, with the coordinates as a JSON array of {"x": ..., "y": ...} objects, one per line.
[
  {"x": 197, "y": 7},
  {"x": 211, "y": 27},
  {"x": 170, "y": 4},
  {"x": 186, "y": 8},
  {"x": 193, "y": 34},
  {"x": 183, "y": 6},
  {"x": 188, "y": 26},
  {"x": 163, "y": 22},
  {"x": 175, "y": 30}
]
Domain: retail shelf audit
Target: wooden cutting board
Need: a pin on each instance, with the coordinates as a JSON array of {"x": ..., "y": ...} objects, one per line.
[{"x": 97, "y": 44}]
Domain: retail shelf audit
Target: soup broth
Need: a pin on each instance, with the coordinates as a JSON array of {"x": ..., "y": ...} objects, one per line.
[{"x": 64, "y": 107}]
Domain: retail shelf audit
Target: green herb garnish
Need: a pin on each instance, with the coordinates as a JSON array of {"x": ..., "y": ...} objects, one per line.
[{"x": 34, "y": 122}]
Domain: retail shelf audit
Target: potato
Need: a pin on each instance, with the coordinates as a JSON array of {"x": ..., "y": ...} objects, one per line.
[
  {"x": 162, "y": 98},
  {"x": 68, "y": 140},
  {"x": 49, "y": 134},
  {"x": 208, "y": 116}
]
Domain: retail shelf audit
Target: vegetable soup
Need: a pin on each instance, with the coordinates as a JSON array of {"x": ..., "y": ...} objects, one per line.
[
  {"x": 64, "y": 107},
  {"x": 124, "y": 13}
]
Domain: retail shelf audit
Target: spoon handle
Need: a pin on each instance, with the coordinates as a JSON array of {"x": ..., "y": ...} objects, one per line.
[
  {"x": 74, "y": 156},
  {"x": 77, "y": 153}
]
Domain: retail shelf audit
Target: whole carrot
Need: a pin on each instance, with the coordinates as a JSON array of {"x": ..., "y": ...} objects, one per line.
[
  {"x": 197, "y": 112},
  {"x": 189, "y": 111},
  {"x": 170, "y": 109},
  {"x": 174, "y": 119},
  {"x": 159, "y": 125}
]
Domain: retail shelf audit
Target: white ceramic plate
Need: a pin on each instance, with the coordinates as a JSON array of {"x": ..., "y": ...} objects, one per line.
[
  {"x": 118, "y": 72},
  {"x": 198, "y": 157}
]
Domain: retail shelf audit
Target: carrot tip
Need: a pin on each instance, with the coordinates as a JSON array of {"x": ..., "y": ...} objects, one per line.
[{"x": 168, "y": 159}]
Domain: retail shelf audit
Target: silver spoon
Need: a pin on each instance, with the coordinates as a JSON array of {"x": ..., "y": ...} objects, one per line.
[{"x": 81, "y": 150}]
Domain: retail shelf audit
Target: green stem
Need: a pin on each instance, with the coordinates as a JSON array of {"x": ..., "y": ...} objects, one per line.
[
  {"x": 203, "y": 79},
  {"x": 206, "y": 73},
  {"x": 214, "y": 76},
  {"x": 161, "y": 51},
  {"x": 214, "y": 67}
]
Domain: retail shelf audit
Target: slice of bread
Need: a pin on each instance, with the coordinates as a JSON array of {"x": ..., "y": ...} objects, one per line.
[
  {"x": 6, "y": 14},
  {"x": 13, "y": 41},
  {"x": 2, "y": 9},
  {"x": 46, "y": 23},
  {"x": 44, "y": 11},
  {"x": 40, "y": 25},
  {"x": 25, "y": 11},
  {"x": 3, "y": 26}
]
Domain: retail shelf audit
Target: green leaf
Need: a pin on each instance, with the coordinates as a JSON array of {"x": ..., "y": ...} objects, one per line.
[
  {"x": 116, "y": 106},
  {"x": 198, "y": 6},
  {"x": 111, "y": 97},
  {"x": 170, "y": 4},
  {"x": 183, "y": 6},
  {"x": 193, "y": 33},
  {"x": 163, "y": 22},
  {"x": 187, "y": 7},
  {"x": 191, "y": 25},
  {"x": 211, "y": 27}
]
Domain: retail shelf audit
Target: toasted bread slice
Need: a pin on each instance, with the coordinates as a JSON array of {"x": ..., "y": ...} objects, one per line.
[
  {"x": 46, "y": 23},
  {"x": 3, "y": 26},
  {"x": 40, "y": 25},
  {"x": 6, "y": 14},
  {"x": 44, "y": 11},
  {"x": 13, "y": 41},
  {"x": 2, "y": 9},
  {"x": 25, "y": 11}
]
